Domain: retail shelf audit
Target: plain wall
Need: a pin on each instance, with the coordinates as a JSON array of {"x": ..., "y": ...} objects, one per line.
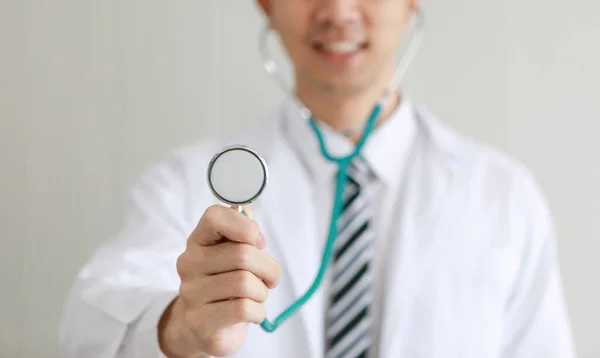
[{"x": 92, "y": 92}]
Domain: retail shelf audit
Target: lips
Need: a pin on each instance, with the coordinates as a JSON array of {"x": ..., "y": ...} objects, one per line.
[{"x": 340, "y": 47}]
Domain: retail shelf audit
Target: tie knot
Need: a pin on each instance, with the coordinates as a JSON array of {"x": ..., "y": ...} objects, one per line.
[{"x": 360, "y": 170}]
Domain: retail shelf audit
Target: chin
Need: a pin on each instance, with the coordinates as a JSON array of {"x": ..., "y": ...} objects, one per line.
[
  {"x": 335, "y": 83},
  {"x": 343, "y": 85}
]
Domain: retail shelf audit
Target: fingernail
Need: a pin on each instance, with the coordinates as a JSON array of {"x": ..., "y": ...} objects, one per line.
[{"x": 261, "y": 242}]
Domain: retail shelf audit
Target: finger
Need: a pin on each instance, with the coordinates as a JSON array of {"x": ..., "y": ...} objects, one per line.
[
  {"x": 224, "y": 314},
  {"x": 231, "y": 256},
  {"x": 199, "y": 261},
  {"x": 234, "y": 284},
  {"x": 219, "y": 222}
]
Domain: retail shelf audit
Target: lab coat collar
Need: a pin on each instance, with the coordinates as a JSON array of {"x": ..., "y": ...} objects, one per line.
[{"x": 385, "y": 150}]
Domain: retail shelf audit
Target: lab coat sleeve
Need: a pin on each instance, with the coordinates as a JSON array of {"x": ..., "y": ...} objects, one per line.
[
  {"x": 537, "y": 323},
  {"x": 120, "y": 294}
]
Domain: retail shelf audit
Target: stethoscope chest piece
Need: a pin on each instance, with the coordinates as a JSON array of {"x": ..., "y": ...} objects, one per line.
[{"x": 237, "y": 175}]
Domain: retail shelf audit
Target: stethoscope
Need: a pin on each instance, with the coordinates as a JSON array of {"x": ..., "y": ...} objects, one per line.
[{"x": 238, "y": 175}]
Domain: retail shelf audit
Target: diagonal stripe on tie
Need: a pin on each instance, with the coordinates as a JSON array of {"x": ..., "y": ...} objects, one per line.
[
  {"x": 348, "y": 313},
  {"x": 348, "y": 243},
  {"x": 349, "y": 218},
  {"x": 348, "y": 285},
  {"x": 345, "y": 301},
  {"x": 349, "y": 326},
  {"x": 353, "y": 191},
  {"x": 349, "y": 269},
  {"x": 347, "y": 261},
  {"x": 342, "y": 307},
  {"x": 360, "y": 336}
]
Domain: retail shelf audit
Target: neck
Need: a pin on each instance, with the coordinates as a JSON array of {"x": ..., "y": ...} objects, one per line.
[{"x": 348, "y": 111}]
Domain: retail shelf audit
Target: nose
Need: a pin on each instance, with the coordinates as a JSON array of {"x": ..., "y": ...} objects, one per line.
[{"x": 337, "y": 12}]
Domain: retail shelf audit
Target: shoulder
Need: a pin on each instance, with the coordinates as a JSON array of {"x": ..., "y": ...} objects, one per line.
[
  {"x": 494, "y": 181},
  {"x": 473, "y": 159}
]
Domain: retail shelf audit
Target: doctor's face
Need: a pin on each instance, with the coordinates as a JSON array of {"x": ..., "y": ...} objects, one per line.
[{"x": 341, "y": 46}]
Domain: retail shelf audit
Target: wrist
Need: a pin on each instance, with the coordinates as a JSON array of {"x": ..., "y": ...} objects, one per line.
[{"x": 171, "y": 337}]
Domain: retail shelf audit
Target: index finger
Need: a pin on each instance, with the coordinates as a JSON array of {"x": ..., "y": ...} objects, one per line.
[{"x": 219, "y": 222}]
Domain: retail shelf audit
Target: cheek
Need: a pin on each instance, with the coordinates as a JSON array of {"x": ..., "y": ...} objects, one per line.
[
  {"x": 290, "y": 18},
  {"x": 291, "y": 29},
  {"x": 389, "y": 24}
]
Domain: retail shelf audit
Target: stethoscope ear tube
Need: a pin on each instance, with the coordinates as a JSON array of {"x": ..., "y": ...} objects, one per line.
[{"x": 415, "y": 39}]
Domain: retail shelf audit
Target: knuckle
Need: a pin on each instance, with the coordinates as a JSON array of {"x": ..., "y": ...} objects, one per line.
[
  {"x": 182, "y": 264},
  {"x": 186, "y": 291},
  {"x": 212, "y": 214},
  {"x": 245, "y": 282},
  {"x": 264, "y": 293},
  {"x": 252, "y": 233},
  {"x": 243, "y": 256},
  {"x": 243, "y": 308},
  {"x": 190, "y": 261}
]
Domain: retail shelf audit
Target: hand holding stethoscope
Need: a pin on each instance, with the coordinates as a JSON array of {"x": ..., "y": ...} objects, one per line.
[{"x": 225, "y": 273}]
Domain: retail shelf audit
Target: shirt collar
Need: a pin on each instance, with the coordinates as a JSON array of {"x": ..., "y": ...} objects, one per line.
[{"x": 386, "y": 149}]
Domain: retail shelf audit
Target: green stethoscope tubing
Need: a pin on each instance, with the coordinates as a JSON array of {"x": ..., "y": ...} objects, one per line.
[{"x": 342, "y": 177}]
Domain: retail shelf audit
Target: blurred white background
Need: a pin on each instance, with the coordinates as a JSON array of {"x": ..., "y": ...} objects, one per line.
[{"x": 92, "y": 92}]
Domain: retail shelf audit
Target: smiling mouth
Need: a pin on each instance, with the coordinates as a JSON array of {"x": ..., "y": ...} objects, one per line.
[{"x": 340, "y": 48}]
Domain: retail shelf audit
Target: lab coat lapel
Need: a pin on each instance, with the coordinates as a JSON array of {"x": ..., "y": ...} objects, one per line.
[
  {"x": 418, "y": 240},
  {"x": 289, "y": 212}
]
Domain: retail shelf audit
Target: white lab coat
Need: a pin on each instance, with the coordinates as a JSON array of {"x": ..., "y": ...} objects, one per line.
[{"x": 473, "y": 273}]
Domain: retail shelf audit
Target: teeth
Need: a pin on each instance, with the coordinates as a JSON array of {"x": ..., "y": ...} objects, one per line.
[{"x": 342, "y": 47}]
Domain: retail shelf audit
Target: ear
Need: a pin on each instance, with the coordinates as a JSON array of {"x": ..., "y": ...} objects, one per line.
[
  {"x": 265, "y": 7},
  {"x": 411, "y": 10},
  {"x": 413, "y": 5}
]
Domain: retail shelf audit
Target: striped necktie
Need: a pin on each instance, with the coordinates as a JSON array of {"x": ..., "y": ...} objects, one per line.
[{"x": 349, "y": 317}]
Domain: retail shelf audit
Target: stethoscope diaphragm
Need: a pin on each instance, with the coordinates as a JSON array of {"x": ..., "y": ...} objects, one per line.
[{"x": 237, "y": 175}]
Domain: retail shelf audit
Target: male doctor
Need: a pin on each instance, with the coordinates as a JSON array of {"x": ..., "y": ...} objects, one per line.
[{"x": 446, "y": 247}]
